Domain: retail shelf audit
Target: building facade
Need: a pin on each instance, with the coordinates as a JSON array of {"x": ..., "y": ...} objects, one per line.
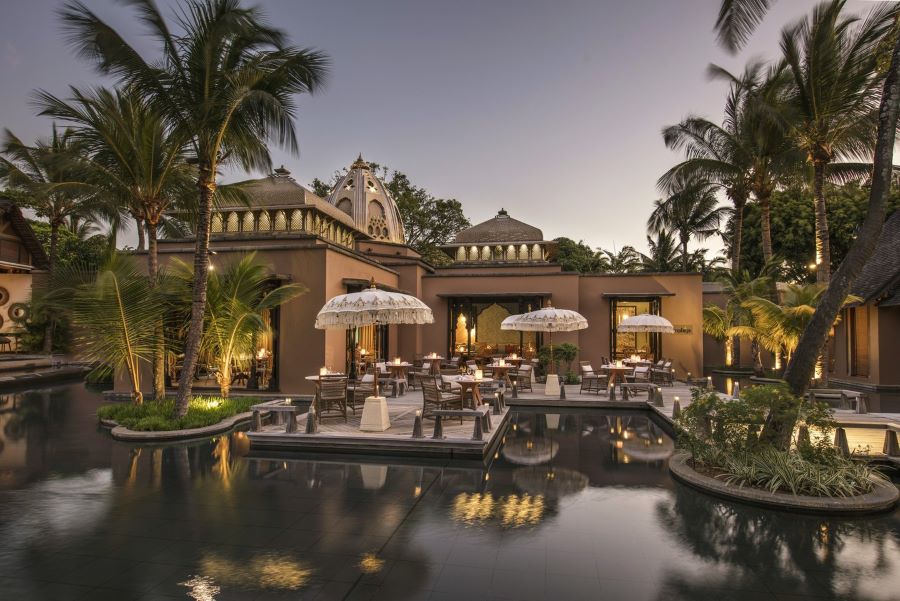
[
  {"x": 22, "y": 259},
  {"x": 500, "y": 267}
]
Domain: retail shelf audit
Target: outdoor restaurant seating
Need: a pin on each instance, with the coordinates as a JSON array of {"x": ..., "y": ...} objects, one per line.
[
  {"x": 640, "y": 375},
  {"x": 420, "y": 373},
  {"x": 364, "y": 388},
  {"x": 662, "y": 374},
  {"x": 591, "y": 381},
  {"x": 522, "y": 377},
  {"x": 434, "y": 397},
  {"x": 332, "y": 396}
]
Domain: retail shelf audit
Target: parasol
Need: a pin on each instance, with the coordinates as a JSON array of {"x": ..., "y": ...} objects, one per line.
[
  {"x": 646, "y": 323},
  {"x": 372, "y": 307}
]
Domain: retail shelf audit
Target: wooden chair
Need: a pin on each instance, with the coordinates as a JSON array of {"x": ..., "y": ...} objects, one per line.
[
  {"x": 640, "y": 375},
  {"x": 362, "y": 389},
  {"x": 591, "y": 381},
  {"x": 332, "y": 396},
  {"x": 433, "y": 398},
  {"x": 522, "y": 377}
]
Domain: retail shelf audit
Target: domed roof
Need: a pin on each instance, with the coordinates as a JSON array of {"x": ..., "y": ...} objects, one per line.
[
  {"x": 501, "y": 228},
  {"x": 362, "y": 196}
]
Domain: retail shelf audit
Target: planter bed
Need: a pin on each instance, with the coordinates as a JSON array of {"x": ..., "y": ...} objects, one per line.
[{"x": 882, "y": 498}]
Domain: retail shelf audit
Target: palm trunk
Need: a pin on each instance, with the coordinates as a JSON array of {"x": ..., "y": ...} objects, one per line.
[
  {"x": 51, "y": 266},
  {"x": 823, "y": 246},
  {"x": 159, "y": 353},
  {"x": 139, "y": 223},
  {"x": 736, "y": 237},
  {"x": 684, "y": 254},
  {"x": 765, "y": 226},
  {"x": 207, "y": 185},
  {"x": 803, "y": 360}
]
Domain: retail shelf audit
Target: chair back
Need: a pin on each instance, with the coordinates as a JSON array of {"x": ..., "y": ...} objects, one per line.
[
  {"x": 431, "y": 393},
  {"x": 333, "y": 388},
  {"x": 426, "y": 365}
]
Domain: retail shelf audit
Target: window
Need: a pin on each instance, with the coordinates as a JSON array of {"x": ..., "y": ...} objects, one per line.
[
  {"x": 345, "y": 205},
  {"x": 474, "y": 327}
]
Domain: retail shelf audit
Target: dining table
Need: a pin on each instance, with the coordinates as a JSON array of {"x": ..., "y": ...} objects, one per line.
[
  {"x": 469, "y": 389},
  {"x": 434, "y": 364},
  {"x": 617, "y": 373},
  {"x": 501, "y": 373}
]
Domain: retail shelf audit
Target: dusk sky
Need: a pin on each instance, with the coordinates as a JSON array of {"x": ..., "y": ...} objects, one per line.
[{"x": 552, "y": 110}]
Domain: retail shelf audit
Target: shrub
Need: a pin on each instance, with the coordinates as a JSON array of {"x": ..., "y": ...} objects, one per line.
[
  {"x": 160, "y": 415},
  {"x": 723, "y": 437}
]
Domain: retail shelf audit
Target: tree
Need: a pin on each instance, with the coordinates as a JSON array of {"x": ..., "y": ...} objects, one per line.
[
  {"x": 576, "y": 256},
  {"x": 115, "y": 311},
  {"x": 428, "y": 222},
  {"x": 626, "y": 260},
  {"x": 664, "y": 253},
  {"x": 737, "y": 288},
  {"x": 747, "y": 154},
  {"x": 831, "y": 106},
  {"x": 793, "y": 222},
  {"x": 226, "y": 85},
  {"x": 133, "y": 157},
  {"x": 47, "y": 178},
  {"x": 238, "y": 297},
  {"x": 691, "y": 210}
]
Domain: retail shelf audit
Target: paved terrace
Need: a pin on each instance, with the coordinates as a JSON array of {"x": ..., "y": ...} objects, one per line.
[{"x": 865, "y": 432}]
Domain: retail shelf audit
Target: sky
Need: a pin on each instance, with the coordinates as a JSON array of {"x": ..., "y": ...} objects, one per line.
[{"x": 551, "y": 110}]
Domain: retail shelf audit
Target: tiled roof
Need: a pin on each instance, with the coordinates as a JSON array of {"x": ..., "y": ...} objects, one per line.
[
  {"x": 879, "y": 280},
  {"x": 501, "y": 228},
  {"x": 23, "y": 229}
]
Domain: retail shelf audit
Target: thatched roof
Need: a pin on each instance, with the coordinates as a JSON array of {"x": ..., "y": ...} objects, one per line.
[
  {"x": 500, "y": 229},
  {"x": 11, "y": 211},
  {"x": 879, "y": 281}
]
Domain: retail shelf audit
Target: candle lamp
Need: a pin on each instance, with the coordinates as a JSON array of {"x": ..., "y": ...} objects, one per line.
[
  {"x": 323, "y": 371},
  {"x": 514, "y": 356},
  {"x": 502, "y": 363},
  {"x": 479, "y": 374}
]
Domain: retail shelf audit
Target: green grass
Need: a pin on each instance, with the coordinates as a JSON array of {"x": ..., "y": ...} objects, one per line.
[{"x": 160, "y": 415}]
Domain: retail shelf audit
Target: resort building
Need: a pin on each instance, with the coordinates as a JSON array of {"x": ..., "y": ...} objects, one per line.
[
  {"x": 866, "y": 349},
  {"x": 21, "y": 258},
  {"x": 499, "y": 267}
]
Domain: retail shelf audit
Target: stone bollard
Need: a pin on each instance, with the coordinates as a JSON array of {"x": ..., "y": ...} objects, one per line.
[
  {"x": 657, "y": 396},
  {"x": 861, "y": 406},
  {"x": 612, "y": 392},
  {"x": 891, "y": 447},
  {"x": 498, "y": 404},
  {"x": 438, "y": 427},
  {"x": 709, "y": 384},
  {"x": 562, "y": 391},
  {"x": 478, "y": 432},
  {"x": 625, "y": 394},
  {"x": 312, "y": 425},
  {"x": 845, "y": 400},
  {"x": 676, "y": 409},
  {"x": 417, "y": 426},
  {"x": 840, "y": 442},
  {"x": 257, "y": 421},
  {"x": 736, "y": 391},
  {"x": 291, "y": 425},
  {"x": 515, "y": 389}
]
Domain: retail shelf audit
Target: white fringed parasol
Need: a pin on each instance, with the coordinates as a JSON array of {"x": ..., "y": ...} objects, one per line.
[
  {"x": 372, "y": 307},
  {"x": 646, "y": 323},
  {"x": 549, "y": 319}
]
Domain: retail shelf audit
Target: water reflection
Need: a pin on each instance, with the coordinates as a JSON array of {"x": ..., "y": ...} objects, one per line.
[{"x": 573, "y": 505}]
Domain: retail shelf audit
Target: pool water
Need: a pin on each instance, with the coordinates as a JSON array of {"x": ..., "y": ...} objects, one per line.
[{"x": 573, "y": 506}]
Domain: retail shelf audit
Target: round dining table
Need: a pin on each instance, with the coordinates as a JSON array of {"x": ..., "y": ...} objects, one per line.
[
  {"x": 469, "y": 388},
  {"x": 501, "y": 372}
]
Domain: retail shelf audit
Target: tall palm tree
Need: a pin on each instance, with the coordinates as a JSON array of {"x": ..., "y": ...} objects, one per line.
[
  {"x": 736, "y": 289},
  {"x": 690, "y": 211},
  {"x": 833, "y": 100},
  {"x": 48, "y": 178},
  {"x": 133, "y": 156},
  {"x": 746, "y": 155},
  {"x": 626, "y": 260},
  {"x": 226, "y": 83}
]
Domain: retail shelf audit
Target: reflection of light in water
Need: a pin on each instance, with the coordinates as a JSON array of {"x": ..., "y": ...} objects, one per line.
[
  {"x": 370, "y": 563},
  {"x": 269, "y": 570},
  {"x": 512, "y": 511},
  {"x": 201, "y": 588},
  {"x": 222, "y": 453}
]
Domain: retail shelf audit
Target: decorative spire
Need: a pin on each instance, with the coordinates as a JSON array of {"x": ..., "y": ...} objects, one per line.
[
  {"x": 359, "y": 163},
  {"x": 281, "y": 172},
  {"x": 502, "y": 213}
]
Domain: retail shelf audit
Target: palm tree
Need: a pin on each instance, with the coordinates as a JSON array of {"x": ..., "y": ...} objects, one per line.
[
  {"x": 626, "y": 260},
  {"x": 238, "y": 297},
  {"x": 226, "y": 84},
  {"x": 115, "y": 311},
  {"x": 737, "y": 288},
  {"x": 664, "y": 255},
  {"x": 47, "y": 178},
  {"x": 745, "y": 155},
  {"x": 134, "y": 158},
  {"x": 691, "y": 210},
  {"x": 833, "y": 102}
]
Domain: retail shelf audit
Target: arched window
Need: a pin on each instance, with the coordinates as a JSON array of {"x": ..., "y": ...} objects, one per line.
[
  {"x": 523, "y": 252},
  {"x": 510, "y": 253},
  {"x": 473, "y": 253},
  {"x": 216, "y": 226},
  {"x": 346, "y": 205},
  {"x": 234, "y": 223},
  {"x": 376, "y": 224},
  {"x": 264, "y": 224},
  {"x": 461, "y": 254},
  {"x": 296, "y": 220},
  {"x": 536, "y": 254},
  {"x": 485, "y": 253},
  {"x": 248, "y": 224},
  {"x": 280, "y": 221}
]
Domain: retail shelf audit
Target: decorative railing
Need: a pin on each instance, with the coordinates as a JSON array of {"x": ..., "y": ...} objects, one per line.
[
  {"x": 257, "y": 221},
  {"x": 497, "y": 253}
]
